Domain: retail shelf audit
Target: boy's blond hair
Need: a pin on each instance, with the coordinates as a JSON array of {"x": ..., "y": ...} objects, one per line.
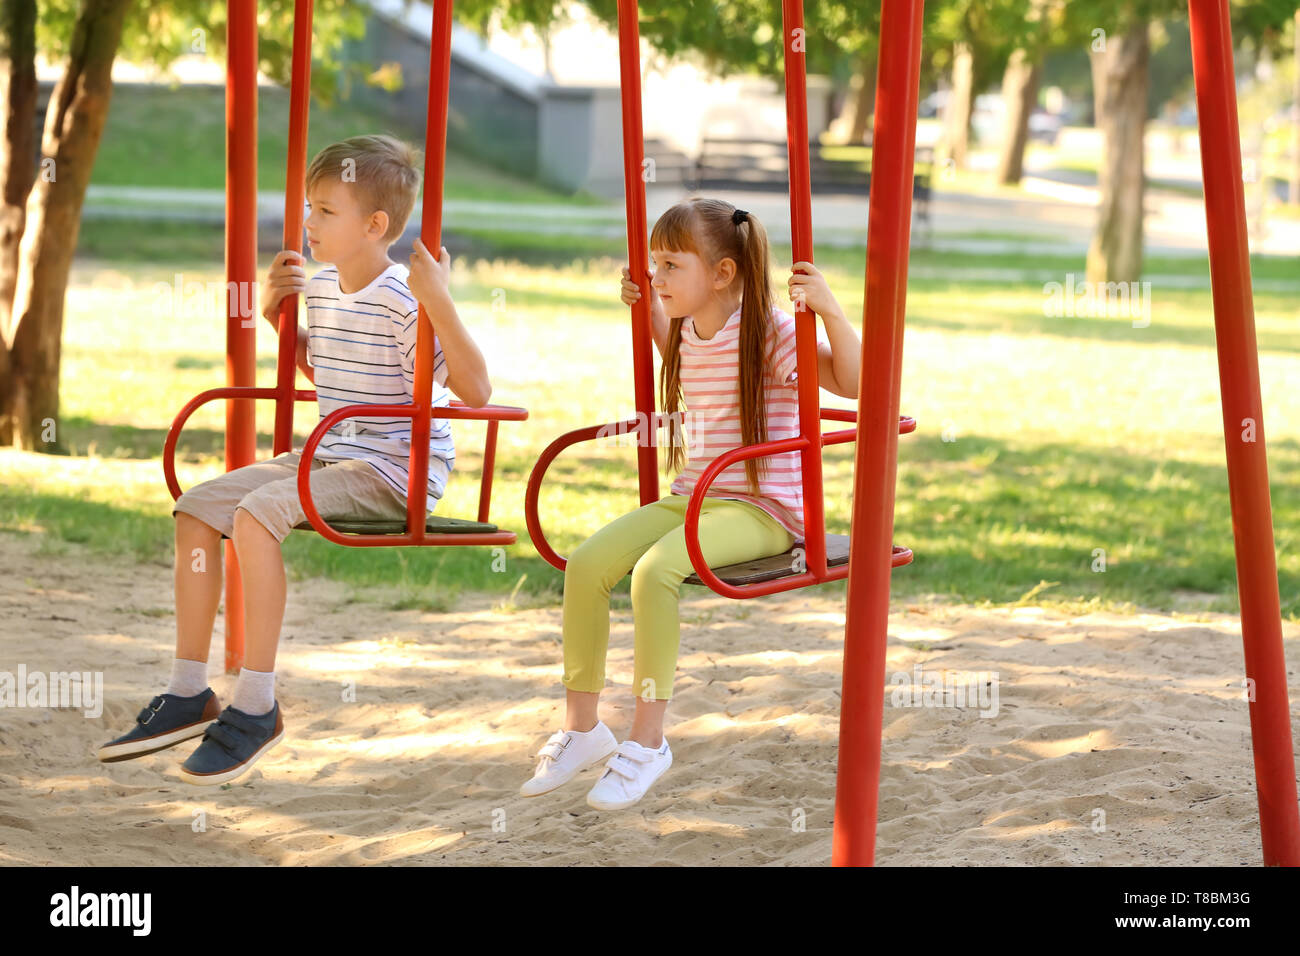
[{"x": 385, "y": 171}]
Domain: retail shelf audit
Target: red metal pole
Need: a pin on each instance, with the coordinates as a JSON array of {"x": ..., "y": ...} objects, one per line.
[
  {"x": 1243, "y": 430},
  {"x": 875, "y": 465},
  {"x": 489, "y": 467},
  {"x": 241, "y": 277},
  {"x": 435, "y": 150},
  {"x": 294, "y": 197},
  {"x": 796, "y": 124},
  {"x": 638, "y": 253}
]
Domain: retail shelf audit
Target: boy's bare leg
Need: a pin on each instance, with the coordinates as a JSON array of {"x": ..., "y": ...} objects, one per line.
[
  {"x": 261, "y": 566},
  {"x": 197, "y": 585}
]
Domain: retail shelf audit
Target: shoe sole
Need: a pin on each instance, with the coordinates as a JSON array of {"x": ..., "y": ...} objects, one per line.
[
  {"x": 624, "y": 804},
  {"x": 114, "y": 753},
  {"x": 572, "y": 776},
  {"x": 225, "y": 776}
]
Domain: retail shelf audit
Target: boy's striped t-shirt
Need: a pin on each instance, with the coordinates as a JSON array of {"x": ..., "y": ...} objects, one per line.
[
  {"x": 710, "y": 376},
  {"x": 362, "y": 347}
]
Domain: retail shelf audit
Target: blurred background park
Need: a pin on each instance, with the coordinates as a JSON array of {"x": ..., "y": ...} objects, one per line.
[{"x": 1045, "y": 440}]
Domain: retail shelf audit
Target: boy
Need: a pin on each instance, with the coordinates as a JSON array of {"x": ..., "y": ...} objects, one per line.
[{"x": 358, "y": 348}]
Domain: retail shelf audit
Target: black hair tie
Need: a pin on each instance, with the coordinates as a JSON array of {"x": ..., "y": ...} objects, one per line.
[{"x": 739, "y": 216}]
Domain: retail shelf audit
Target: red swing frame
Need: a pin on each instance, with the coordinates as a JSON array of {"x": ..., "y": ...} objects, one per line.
[
  {"x": 872, "y": 554},
  {"x": 875, "y": 465}
]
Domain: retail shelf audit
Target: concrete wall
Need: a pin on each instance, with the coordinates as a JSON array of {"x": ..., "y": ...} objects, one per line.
[
  {"x": 486, "y": 117},
  {"x": 580, "y": 144}
]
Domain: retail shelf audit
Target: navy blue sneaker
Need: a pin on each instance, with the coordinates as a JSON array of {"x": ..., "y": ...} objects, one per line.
[
  {"x": 232, "y": 745},
  {"x": 164, "y": 723}
]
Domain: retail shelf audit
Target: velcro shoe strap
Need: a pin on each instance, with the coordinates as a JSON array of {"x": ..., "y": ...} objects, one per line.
[
  {"x": 228, "y": 738},
  {"x": 554, "y": 747},
  {"x": 241, "y": 722},
  {"x": 628, "y": 769},
  {"x": 146, "y": 715}
]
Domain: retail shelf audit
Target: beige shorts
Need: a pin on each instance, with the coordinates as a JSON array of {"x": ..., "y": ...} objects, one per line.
[{"x": 268, "y": 490}]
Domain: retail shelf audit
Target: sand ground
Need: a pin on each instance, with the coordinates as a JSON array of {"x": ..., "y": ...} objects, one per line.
[{"x": 1117, "y": 740}]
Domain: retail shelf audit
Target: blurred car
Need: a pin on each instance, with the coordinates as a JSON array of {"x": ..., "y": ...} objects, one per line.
[
  {"x": 988, "y": 117},
  {"x": 932, "y": 106},
  {"x": 1045, "y": 126}
]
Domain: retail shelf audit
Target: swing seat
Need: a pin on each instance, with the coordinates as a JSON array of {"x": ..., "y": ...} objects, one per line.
[
  {"x": 442, "y": 531},
  {"x": 435, "y": 524},
  {"x": 786, "y": 565},
  {"x": 758, "y": 571}
]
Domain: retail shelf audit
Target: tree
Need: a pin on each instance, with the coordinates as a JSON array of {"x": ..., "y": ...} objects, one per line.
[
  {"x": 17, "y": 165},
  {"x": 35, "y": 274},
  {"x": 864, "y": 96},
  {"x": 972, "y": 40},
  {"x": 745, "y": 36},
  {"x": 41, "y": 216},
  {"x": 961, "y": 103},
  {"x": 1120, "y": 60},
  {"x": 1020, "y": 94},
  {"x": 1120, "y": 73},
  {"x": 1048, "y": 28},
  {"x": 1120, "y": 57}
]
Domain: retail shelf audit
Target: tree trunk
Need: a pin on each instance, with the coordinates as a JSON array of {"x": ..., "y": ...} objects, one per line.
[
  {"x": 1097, "y": 62},
  {"x": 1020, "y": 93},
  {"x": 18, "y": 93},
  {"x": 1115, "y": 254},
  {"x": 864, "y": 101},
  {"x": 956, "y": 135},
  {"x": 1293, "y": 193},
  {"x": 74, "y": 123}
]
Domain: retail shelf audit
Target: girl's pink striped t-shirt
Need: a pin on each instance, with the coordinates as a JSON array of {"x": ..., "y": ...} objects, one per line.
[{"x": 710, "y": 376}]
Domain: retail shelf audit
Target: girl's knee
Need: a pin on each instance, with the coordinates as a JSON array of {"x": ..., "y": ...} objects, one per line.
[
  {"x": 652, "y": 573},
  {"x": 587, "y": 564},
  {"x": 580, "y": 563}
]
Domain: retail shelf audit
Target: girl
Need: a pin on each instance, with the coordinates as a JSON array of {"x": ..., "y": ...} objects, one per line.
[{"x": 729, "y": 355}]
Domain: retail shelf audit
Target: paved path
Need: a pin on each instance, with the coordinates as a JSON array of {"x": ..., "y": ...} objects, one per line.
[{"x": 1054, "y": 218}]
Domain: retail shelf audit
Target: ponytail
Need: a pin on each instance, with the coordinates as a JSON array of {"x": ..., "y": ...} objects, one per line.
[{"x": 755, "y": 333}]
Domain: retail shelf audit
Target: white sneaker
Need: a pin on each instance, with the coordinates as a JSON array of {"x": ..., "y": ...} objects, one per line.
[
  {"x": 566, "y": 754},
  {"x": 628, "y": 775}
]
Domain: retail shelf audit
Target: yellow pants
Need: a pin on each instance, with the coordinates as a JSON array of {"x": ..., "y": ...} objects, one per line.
[{"x": 651, "y": 541}]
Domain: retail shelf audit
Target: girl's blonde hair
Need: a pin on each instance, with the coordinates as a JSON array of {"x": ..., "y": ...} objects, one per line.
[{"x": 708, "y": 228}]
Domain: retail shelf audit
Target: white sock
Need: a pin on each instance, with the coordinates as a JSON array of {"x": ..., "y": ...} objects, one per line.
[
  {"x": 189, "y": 678},
  {"x": 254, "y": 692}
]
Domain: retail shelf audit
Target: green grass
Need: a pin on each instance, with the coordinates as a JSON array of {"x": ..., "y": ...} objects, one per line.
[
  {"x": 1065, "y": 435},
  {"x": 147, "y": 240},
  {"x": 176, "y": 138}
]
